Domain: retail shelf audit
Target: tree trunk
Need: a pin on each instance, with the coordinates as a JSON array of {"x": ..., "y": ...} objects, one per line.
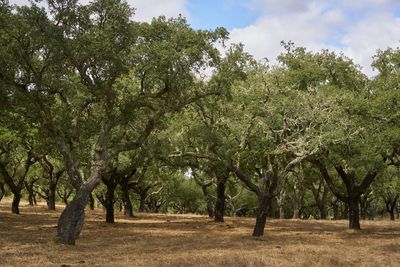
[
  {"x": 392, "y": 214},
  {"x": 296, "y": 209},
  {"x": 15, "y": 202},
  {"x": 354, "y": 213},
  {"x": 109, "y": 204},
  {"x": 126, "y": 199},
  {"x": 210, "y": 209},
  {"x": 261, "y": 218},
  {"x": 220, "y": 202},
  {"x": 280, "y": 200},
  {"x": 71, "y": 220},
  {"x": 335, "y": 212},
  {"x": 2, "y": 191},
  {"x": 323, "y": 213},
  {"x": 51, "y": 202},
  {"x": 91, "y": 202},
  {"x": 142, "y": 202},
  {"x": 31, "y": 199}
]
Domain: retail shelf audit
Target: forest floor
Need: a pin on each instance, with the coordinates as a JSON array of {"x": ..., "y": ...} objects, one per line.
[{"x": 191, "y": 240}]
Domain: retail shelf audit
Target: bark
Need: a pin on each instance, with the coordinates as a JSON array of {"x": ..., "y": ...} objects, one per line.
[
  {"x": 210, "y": 208},
  {"x": 392, "y": 214},
  {"x": 126, "y": 200},
  {"x": 31, "y": 198},
  {"x": 220, "y": 202},
  {"x": 204, "y": 188},
  {"x": 296, "y": 211},
  {"x": 15, "y": 202},
  {"x": 262, "y": 213},
  {"x": 2, "y": 191},
  {"x": 281, "y": 207},
  {"x": 335, "y": 209},
  {"x": 354, "y": 213},
  {"x": 91, "y": 202},
  {"x": 71, "y": 220},
  {"x": 51, "y": 202},
  {"x": 142, "y": 201},
  {"x": 109, "y": 203}
]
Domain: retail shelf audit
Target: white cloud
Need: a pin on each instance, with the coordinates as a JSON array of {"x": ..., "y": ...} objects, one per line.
[
  {"x": 363, "y": 38},
  {"x": 358, "y": 28},
  {"x": 311, "y": 29}
]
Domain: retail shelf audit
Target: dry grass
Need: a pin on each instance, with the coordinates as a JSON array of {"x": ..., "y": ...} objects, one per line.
[{"x": 188, "y": 240}]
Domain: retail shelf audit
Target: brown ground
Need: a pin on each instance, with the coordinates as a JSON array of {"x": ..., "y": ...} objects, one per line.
[{"x": 189, "y": 240}]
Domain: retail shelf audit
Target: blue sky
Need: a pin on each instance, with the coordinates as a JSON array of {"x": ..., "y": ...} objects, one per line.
[
  {"x": 356, "y": 28},
  {"x": 209, "y": 14}
]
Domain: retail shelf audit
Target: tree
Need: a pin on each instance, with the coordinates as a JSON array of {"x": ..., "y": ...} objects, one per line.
[
  {"x": 99, "y": 83},
  {"x": 14, "y": 170},
  {"x": 388, "y": 188}
]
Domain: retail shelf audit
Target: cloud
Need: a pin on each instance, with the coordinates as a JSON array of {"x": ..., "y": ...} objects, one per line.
[
  {"x": 312, "y": 28},
  {"x": 357, "y": 28},
  {"x": 364, "y": 37}
]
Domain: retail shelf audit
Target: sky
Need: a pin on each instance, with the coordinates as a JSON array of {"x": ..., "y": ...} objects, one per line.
[{"x": 355, "y": 27}]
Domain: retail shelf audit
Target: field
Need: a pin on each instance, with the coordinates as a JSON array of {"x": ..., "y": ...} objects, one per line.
[{"x": 190, "y": 240}]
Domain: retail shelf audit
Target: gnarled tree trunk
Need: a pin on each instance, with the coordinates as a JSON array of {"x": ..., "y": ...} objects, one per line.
[
  {"x": 262, "y": 213},
  {"x": 15, "y": 202},
  {"x": 220, "y": 201}
]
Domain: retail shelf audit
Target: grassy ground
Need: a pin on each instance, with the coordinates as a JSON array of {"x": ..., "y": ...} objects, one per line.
[{"x": 188, "y": 240}]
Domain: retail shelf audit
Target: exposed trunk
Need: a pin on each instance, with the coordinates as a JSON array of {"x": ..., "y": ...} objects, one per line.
[
  {"x": 210, "y": 206},
  {"x": 2, "y": 191},
  {"x": 15, "y": 202},
  {"x": 142, "y": 201},
  {"x": 296, "y": 212},
  {"x": 71, "y": 220},
  {"x": 391, "y": 204},
  {"x": 345, "y": 211},
  {"x": 280, "y": 201},
  {"x": 126, "y": 200},
  {"x": 335, "y": 208},
  {"x": 220, "y": 202},
  {"x": 354, "y": 213},
  {"x": 392, "y": 214},
  {"x": 31, "y": 198},
  {"x": 296, "y": 209},
  {"x": 91, "y": 202},
  {"x": 109, "y": 203},
  {"x": 51, "y": 201},
  {"x": 207, "y": 197},
  {"x": 262, "y": 213}
]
